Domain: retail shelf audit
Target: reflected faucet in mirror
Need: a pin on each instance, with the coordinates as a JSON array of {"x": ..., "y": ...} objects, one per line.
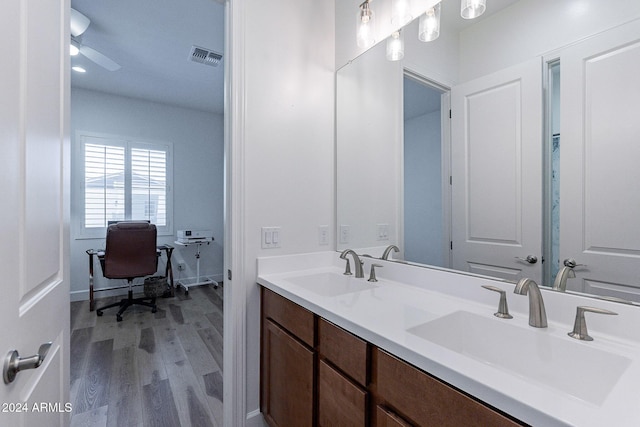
[{"x": 387, "y": 251}]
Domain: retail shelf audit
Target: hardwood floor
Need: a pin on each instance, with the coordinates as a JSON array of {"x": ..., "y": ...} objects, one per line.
[{"x": 151, "y": 369}]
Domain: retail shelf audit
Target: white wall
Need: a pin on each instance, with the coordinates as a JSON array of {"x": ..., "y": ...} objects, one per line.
[
  {"x": 536, "y": 27},
  {"x": 286, "y": 117},
  {"x": 197, "y": 139}
]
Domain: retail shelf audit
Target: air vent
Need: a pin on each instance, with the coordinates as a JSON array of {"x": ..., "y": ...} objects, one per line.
[{"x": 205, "y": 56}]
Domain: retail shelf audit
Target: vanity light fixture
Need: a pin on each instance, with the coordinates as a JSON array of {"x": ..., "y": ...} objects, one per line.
[
  {"x": 470, "y": 9},
  {"x": 429, "y": 27},
  {"x": 400, "y": 13},
  {"x": 395, "y": 46},
  {"x": 365, "y": 29}
]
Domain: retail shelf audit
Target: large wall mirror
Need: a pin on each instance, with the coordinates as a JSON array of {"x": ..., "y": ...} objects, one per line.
[{"x": 536, "y": 168}]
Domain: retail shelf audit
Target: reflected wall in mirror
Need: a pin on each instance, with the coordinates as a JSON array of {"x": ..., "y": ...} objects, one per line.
[{"x": 524, "y": 185}]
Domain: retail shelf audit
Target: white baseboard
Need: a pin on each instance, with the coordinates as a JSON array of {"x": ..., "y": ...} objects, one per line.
[{"x": 255, "y": 419}]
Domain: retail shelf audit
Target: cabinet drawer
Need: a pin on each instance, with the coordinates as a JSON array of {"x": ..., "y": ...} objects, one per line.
[
  {"x": 344, "y": 350},
  {"x": 386, "y": 418},
  {"x": 340, "y": 401},
  {"x": 289, "y": 315},
  {"x": 426, "y": 401}
]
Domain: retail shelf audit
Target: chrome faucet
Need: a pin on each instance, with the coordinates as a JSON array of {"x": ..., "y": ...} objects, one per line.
[
  {"x": 387, "y": 251},
  {"x": 537, "y": 313},
  {"x": 560, "y": 284},
  {"x": 356, "y": 262}
]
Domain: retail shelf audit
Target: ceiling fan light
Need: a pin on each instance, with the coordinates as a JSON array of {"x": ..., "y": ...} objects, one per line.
[
  {"x": 74, "y": 48},
  {"x": 470, "y": 9},
  {"x": 78, "y": 69}
]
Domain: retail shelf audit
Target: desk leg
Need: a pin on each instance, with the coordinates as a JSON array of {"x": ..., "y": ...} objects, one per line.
[
  {"x": 91, "y": 301},
  {"x": 169, "y": 270}
]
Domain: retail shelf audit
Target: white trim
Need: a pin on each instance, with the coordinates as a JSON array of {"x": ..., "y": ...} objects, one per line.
[
  {"x": 255, "y": 419},
  {"x": 235, "y": 300}
]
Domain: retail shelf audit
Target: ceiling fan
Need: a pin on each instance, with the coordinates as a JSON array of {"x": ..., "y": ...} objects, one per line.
[{"x": 79, "y": 24}]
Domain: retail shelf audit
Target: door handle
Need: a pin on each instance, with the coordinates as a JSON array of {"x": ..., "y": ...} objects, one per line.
[
  {"x": 13, "y": 363},
  {"x": 531, "y": 259},
  {"x": 571, "y": 263}
]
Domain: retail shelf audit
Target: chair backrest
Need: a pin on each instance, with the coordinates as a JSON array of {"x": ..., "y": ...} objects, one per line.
[{"x": 130, "y": 250}]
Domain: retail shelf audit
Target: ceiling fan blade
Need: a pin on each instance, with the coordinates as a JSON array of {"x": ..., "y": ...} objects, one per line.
[
  {"x": 99, "y": 58},
  {"x": 79, "y": 23}
]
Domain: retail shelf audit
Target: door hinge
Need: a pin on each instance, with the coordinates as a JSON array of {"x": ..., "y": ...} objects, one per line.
[
  {"x": 228, "y": 274},
  {"x": 449, "y": 113},
  {"x": 451, "y": 244},
  {"x": 450, "y": 180}
]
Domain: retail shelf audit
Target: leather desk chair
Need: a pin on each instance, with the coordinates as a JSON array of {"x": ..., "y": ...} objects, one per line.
[{"x": 130, "y": 252}]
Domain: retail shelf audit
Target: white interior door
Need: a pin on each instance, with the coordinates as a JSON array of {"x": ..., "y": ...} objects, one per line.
[
  {"x": 496, "y": 168},
  {"x": 599, "y": 162},
  {"x": 34, "y": 307}
]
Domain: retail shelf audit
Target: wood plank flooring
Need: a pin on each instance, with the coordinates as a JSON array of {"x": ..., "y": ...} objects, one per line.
[{"x": 151, "y": 369}]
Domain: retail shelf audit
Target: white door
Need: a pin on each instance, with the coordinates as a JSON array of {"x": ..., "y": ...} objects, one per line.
[
  {"x": 600, "y": 162},
  {"x": 496, "y": 168},
  {"x": 34, "y": 307}
]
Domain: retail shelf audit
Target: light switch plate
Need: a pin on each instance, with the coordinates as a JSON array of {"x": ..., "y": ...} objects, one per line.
[
  {"x": 383, "y": 231},
  {"x": 271, "y": 237}
]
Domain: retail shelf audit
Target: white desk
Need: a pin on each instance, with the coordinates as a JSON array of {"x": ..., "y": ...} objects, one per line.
[{"x": 185, "y": 283}]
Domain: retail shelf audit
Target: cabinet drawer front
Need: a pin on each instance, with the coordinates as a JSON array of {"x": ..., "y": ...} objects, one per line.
[
  {"x": 344, "y": 350},
  {"x": 426, "y": 401},
  {"x": 289, "y": 315},
  {"x": 287, "y": 379},
  {"x": 385, "y": 418},
  {"x": 340, "y": 401}
]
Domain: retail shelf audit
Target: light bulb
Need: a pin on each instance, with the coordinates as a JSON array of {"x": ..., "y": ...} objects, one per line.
[
  {"x": 365, "y": 29},
  {"x": 74, "y": 48},
  {"x": 78, "y": 69},
  {"x": 429, "y": 27},
  {"x": 470, "y": 9},
  {"x": 395, "y": 46}
]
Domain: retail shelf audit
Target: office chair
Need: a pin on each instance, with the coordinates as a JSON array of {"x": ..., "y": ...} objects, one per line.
[{"x": 130, "y": 252}]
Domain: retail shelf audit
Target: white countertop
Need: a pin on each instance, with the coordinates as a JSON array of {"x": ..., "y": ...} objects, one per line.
[{"x": 407, "y": 296}]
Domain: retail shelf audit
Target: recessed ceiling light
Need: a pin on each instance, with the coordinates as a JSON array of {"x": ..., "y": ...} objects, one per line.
[{"x": 78, "y": 69}]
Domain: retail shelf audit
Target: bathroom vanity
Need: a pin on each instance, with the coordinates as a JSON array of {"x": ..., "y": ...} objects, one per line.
[{"x": 422, "y": 347}]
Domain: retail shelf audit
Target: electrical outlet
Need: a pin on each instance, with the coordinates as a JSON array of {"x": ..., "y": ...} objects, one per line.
[
  {"x": 345, "y": 233},
  {"x": 323, "y": 235},
  {"x": 383, "y": 231}
]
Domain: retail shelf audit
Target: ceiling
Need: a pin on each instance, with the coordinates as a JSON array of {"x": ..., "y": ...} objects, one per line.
[{"x": 152, "y": 40}]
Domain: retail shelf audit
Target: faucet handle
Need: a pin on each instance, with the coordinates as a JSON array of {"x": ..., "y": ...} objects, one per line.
[
  {"x": 347, "y": 270},
  {"x": 372, "y": 273},
  {"x": 503, "y": 309},
  {"x": 580, "y": 325}
]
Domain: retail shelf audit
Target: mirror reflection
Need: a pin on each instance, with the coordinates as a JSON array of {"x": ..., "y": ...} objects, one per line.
[{"x": 530, "y": 176}]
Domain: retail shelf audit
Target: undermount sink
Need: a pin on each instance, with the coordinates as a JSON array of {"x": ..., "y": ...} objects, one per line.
[
  {"x": 330, "y": 284},
  {"x": 584, "y": 372}
]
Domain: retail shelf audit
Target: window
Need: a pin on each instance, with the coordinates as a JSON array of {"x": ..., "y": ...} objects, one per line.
[{"x": 123, "y": 180}]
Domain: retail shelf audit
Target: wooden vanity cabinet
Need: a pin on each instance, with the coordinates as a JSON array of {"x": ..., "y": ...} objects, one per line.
[
  {"x": 415, "y": 397},
  {"x": 287, "y": 362},
  {"x": 314, "y": 373},
  {"x": 342, "y": 377}
]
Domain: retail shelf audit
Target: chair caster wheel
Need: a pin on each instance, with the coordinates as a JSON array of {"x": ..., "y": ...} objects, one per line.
[
  {"x": 99, "y": 312},
  {"x": 118, "y": 318}
]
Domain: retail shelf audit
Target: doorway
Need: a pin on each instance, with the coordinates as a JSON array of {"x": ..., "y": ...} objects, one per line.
[{"x": 425, "y": 172}]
